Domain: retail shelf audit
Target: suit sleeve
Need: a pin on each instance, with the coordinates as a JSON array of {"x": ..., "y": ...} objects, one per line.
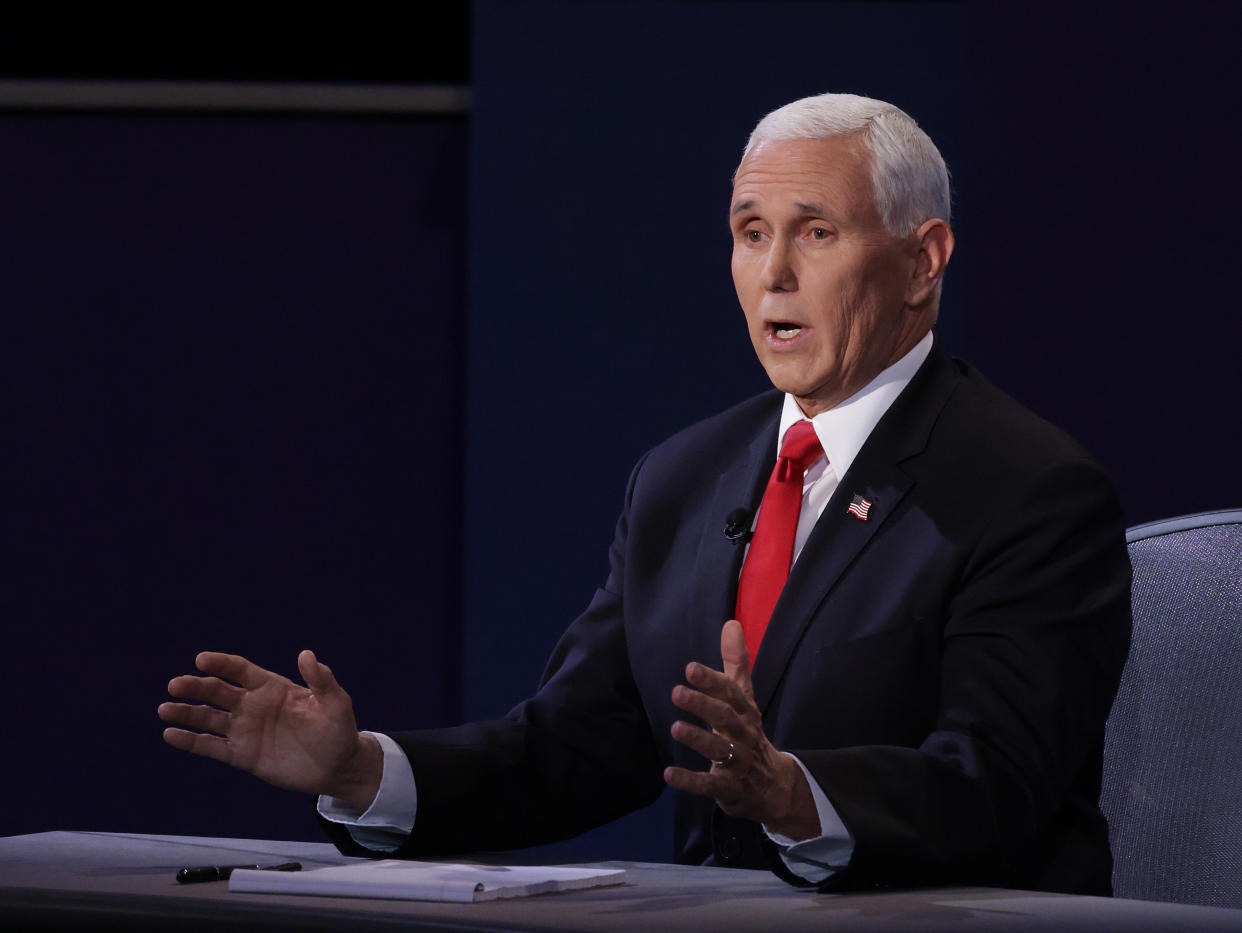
[
  {"x": 1033, "y": 645},
  {"x": 576, "y": 755}
]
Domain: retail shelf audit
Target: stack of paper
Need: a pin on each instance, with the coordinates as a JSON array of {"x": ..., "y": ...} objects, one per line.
[{"x": 425, "y": 881}]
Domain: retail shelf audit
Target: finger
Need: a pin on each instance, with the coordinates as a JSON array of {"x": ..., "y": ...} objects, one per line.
[
  {"x": 318, "y": 676},
  {"x": 232, "y": 667},
  {"x": 202, "y": 718},
  {"x": 716, "y": 713},
  {"x": 736, "y": 656},
  {"x": 703, "y": 783},
  {"x": 198, "y": 743},
  {"x": 718, "y": 685},
  {"x": 710, "y": 745},
  {"x": 206, "y": 690}
]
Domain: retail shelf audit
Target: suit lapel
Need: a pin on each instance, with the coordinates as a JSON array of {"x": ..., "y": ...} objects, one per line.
[
  {"x": 719, "y": 560},
  {"x": 839, "y": 537},
  {"x": 835, "y": 542}
]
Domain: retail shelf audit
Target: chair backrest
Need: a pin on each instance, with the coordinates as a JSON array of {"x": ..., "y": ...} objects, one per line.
[{"x": 1173, "y": 750}]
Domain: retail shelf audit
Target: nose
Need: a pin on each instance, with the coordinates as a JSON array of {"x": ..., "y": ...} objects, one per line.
[{"x": 778, "y": 270}]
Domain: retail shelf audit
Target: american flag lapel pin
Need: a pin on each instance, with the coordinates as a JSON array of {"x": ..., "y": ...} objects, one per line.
[{"x": 859, "y": 507}]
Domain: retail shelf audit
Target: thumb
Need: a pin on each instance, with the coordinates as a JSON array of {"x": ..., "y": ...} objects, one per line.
[
  {"x": 735, "y": 656},
  {"x": 318, "y": 676}
]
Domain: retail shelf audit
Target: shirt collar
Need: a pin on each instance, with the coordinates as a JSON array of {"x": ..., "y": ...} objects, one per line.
[{"x": 843, "y": 430}]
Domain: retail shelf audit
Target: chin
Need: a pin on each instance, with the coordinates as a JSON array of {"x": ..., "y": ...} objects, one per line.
[{"x": 796, "y": 384}]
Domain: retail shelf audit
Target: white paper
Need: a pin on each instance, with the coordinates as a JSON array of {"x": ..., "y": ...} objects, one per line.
[{"x": 425, "y": 881}]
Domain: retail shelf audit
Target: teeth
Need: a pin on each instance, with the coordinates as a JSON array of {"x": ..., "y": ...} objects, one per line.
[{"x": 785, "y": 333}]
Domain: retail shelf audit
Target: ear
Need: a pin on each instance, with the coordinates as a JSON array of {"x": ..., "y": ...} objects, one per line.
[{"x": 934, "y": 242}]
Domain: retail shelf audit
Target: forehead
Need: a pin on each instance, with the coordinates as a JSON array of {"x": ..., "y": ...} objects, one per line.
[{"x": 833, "y": 173}]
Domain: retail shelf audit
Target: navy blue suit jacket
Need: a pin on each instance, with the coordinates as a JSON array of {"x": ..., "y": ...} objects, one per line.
[{"x": 943, "y": 668}]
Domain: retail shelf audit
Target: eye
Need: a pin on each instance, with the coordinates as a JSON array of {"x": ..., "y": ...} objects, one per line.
[
  {"x": 819, "y": 233},
  {"x": 754, "y": 236}
]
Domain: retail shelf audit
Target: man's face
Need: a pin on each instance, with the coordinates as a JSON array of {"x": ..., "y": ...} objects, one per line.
[{"x": 822, "y": 283}]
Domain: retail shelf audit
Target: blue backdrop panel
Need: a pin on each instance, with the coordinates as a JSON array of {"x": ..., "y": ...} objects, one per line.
[
  {"x": 602, "y": 314},
  {"x": 231, "y": 354},
  {"x": 1105, "y": 199}
]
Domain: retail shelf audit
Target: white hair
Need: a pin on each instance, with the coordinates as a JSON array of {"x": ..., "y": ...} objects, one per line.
[{"x": 908, "y": 176}]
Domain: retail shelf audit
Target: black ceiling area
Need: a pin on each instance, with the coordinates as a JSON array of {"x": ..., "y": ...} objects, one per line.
[{"x": 362, "y": 41}]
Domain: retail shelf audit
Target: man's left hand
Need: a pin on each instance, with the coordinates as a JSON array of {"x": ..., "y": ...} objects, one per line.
[{"x": 749, "y": 777}]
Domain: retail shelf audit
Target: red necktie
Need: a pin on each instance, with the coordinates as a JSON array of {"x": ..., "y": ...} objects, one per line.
[{"x": 771, "y": 550}]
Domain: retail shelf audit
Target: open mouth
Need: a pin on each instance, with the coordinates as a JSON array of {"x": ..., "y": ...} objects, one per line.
[{"x": 784, "y": 330}]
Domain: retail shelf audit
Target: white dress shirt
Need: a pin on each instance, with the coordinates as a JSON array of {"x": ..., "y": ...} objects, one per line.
[{"x": 842, "y": 431}]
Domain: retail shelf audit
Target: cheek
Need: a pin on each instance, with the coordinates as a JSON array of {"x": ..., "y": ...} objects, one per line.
[
  {"x": 830, "y": 299},
  {"x": 741, "y": 275},
  {"x": 846, "y": 301},
  {"x": 882, "y": 283},
  {"x": 744, "y": 285}
]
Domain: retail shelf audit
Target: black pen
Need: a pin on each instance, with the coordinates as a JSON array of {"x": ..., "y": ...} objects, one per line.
[{"x": 222, "y": 872}]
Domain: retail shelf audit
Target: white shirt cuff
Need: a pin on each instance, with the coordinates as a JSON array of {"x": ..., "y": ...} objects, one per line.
[
  {"x": 815, "y": 859},
  {"x": 385, "y": 824}
]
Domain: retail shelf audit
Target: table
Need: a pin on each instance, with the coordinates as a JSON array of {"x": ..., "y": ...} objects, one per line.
[{"x": 119, "y": 881}]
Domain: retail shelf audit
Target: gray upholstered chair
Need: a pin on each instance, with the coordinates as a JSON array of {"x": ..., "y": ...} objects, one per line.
[{"x": 1173, "y": 753}]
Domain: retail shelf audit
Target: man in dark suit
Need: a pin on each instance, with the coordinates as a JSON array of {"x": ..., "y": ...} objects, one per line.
[{"x": 932, "y": 584}]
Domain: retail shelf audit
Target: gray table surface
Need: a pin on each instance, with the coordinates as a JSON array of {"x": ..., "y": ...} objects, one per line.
[{"x": 87, "y": 880}]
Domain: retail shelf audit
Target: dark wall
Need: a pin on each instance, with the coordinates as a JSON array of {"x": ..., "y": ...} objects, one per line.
[
  {"x": 1102, "y": 195},
  {"x": 232, "y": 367}
]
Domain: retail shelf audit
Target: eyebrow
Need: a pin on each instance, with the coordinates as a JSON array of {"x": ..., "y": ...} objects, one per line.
[{"x": 804, "y": 208}]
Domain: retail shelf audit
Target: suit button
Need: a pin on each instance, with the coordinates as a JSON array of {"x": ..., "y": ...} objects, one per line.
[{"x": 729, "y": 848}]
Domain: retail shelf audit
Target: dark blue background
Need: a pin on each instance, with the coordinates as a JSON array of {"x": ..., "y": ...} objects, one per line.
[
  {"x": 252, "y": 406},
  {"x": 232, "y": 356}
]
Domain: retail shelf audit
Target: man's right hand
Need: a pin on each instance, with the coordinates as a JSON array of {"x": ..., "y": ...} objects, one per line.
[{"x": 288, "y": 735}]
